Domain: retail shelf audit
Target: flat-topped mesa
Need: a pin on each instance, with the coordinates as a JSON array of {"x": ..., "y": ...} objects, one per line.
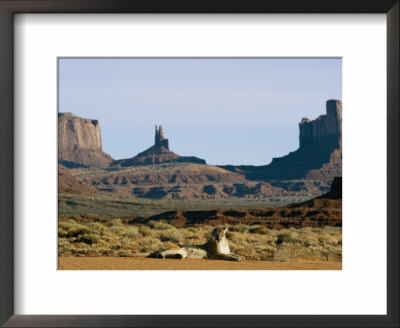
[
  {"x": 79, "y": 142},
  {"x": 325, "y": 129},
  {"x": 157, "y": 154},
  {"x": 75, "y": 132}
]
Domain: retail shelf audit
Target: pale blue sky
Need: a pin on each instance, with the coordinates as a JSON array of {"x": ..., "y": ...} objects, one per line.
[{"x": 226, "y": 111}]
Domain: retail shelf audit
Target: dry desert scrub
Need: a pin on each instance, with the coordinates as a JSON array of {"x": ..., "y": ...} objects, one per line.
[{"x": 115, "y": 238}]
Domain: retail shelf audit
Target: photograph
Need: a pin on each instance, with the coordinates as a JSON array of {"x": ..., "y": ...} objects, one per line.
[
  {"x": 199, "y": 163},
  {"x": 155, "y": 150}
]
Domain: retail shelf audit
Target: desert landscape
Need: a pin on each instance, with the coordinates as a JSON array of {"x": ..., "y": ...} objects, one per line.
[{"x": 113, "y": 214}]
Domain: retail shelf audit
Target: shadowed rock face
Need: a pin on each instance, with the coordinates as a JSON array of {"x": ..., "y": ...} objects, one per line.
[
  {"x": 79, "y": 142},
  {"x": 336, "y": 190},
  {"x": 318, "y": 157},
  {"x": 325, "y": 210},
  {"x": 157, "y": 154},
  {"x": 326, "y": 129}
]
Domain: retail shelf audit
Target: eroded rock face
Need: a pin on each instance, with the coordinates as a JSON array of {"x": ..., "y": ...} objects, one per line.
[
  {"x": 320, "y": 153},
  {"x": 67, "y": 183},
  {"x": 159, "y": 140},
  {"x": 79, "y": 142},
  {"x": 326, "y": 129}
]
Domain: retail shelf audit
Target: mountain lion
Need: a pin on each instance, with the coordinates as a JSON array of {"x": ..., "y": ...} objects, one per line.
[{"x": 216, "y": 248}]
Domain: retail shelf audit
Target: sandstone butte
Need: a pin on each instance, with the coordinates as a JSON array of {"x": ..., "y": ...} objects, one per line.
[
  {"x": 79, "y": 142},
  {"x": 319, "y": 156}
]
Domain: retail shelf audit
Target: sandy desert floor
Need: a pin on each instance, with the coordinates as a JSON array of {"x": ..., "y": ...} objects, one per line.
[{"x": 140, "y": 263}]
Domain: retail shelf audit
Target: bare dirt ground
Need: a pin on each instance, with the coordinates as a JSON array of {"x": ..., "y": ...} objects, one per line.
[{"x": 140, "y": 263}]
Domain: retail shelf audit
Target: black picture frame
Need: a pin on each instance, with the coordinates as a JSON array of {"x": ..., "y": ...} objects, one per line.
[{"x": 10, "y": 7}]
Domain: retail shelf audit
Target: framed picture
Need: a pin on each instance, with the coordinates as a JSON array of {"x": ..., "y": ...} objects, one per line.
[{"x": 237, "y": 196}]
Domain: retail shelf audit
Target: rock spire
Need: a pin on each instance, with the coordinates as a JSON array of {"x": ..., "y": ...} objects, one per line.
[
  {"x": 160, "y": 141},
  {"x": 157, "y": 154}
]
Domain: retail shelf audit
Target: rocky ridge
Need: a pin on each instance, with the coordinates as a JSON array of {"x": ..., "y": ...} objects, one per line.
[
  {"x": 69, "y": 184},
  {"x": 184, "y": 181},
  {"x": 325, "y": 210}
]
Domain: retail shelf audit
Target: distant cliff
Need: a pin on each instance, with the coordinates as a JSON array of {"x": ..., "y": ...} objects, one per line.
[
  {"x": 79, "y": 142},
  {"x": 326, "y": 129},
  {"x": 318, "y": 157},
  {"x": 157, "y": 154}
]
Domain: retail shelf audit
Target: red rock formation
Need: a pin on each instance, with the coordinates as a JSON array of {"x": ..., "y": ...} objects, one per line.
[
  {"x": 325, "y": 129},
  {"x": 159, "y": 140},
  {"x": 79, "y": 142},
  {"x": 317, "y": 212},
  {"x": 157, "y": 154},
  {"x": 70, "y": 184},
  {"x": 318, "y": 157}
]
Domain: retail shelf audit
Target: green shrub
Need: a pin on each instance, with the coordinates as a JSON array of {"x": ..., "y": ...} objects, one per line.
[
  {"x": 62, "y": 233},
  {"x": 133, "y": 233},
  {"x": 115, "y": 245},
  {"x": 160, "y": 225},
  {"x": 145, "y": 231},
  {"x": 124, "y": 253},
  {"x": 171, "y": 235},
  {"x": 260, "y": 230},
  {"x": 287, "y": 237},
  {"x": 238, "y": 228},
  {"x": 193, "y": 237},
  {"x": 96, "y": 227},
  {"x": 102, "y": 242},
  {"x": 78, "y": 229},
  {"x": 118, "y": 230},
  {"x": 149, "y": 245},
  {"x": 88, "y": 238},
  {"x": 114, "y": 222},
  {"x": 66, "y": 224},
  {"x": 126, "y": 242}
]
